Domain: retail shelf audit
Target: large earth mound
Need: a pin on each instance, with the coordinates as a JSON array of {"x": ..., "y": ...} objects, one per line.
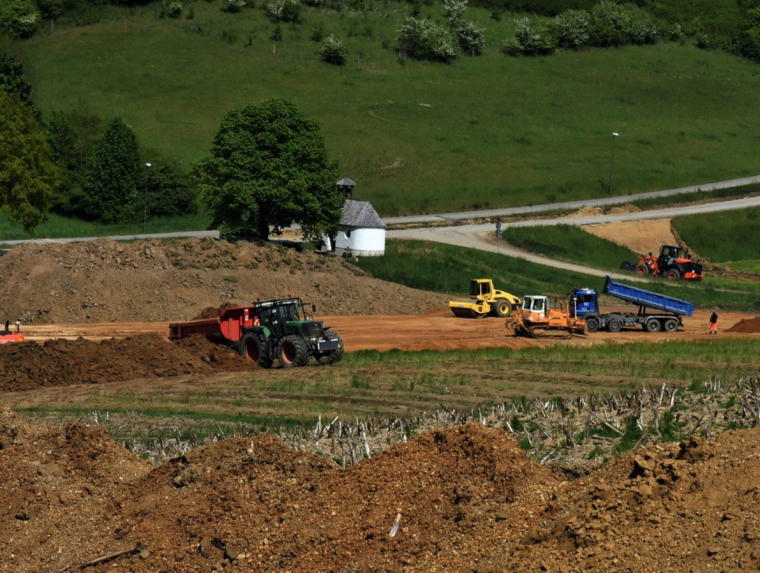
[
  {"x": 746, "y": 326},
  {"x": 104, "y": 281},
  {"x": 65, "y": 362},
  {"x": 465, "y": 499}
]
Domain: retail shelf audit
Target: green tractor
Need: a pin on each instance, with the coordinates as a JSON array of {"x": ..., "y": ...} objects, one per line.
[{"x": 282, "y": 330}]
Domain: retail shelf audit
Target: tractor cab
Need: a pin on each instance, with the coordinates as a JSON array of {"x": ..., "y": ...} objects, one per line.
[
  {"x": 537, "y": 306},
  {"x": 584, "y": 302},
  {"x": 668, "y": 255}
]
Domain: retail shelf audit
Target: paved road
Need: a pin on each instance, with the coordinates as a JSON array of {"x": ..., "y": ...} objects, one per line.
[
  {"x": 178, "y": 235},
  {"x": 478, "y": 236},
  {"x": 606, "y": 201}
]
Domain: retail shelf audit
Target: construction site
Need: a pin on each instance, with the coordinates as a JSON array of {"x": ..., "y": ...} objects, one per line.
[{"x": 470, "y": 479}]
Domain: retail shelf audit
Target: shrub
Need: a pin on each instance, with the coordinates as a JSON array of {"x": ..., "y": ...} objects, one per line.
[
  {"x": 471, "y": 38},
  {"x": 422, "y": 39},
  {"x": 12, "y": 78},
  {"x": 19, "y": 18},
  {"x": 169, "y": 191},
  {"x": 534, "y": 37},
  {"x": 318, "y": 32},
  {"x": 609, "y": 24},
  {"x": 572, "y": 29},
  {"x": 333, "y": 51},
  {"x": 641, "y": 28},
  {"x": 284, "y": 11},
  {"x": 454, "y": 10},
  {"x": 234, "y": 6},
  {"x": 749, "y": 41},
  {"x": 172, "y": 9}
]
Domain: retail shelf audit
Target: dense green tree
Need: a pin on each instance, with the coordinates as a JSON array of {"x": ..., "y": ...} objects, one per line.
[
  {"x": 19, "y": 18},
  {"x": 169, "y": 189},
  {"x": 111, "y": 183},
  {"x": 12, "y": 77},
  {"x": 268, "y": 166},
  {"x": 28, "y": 176}
]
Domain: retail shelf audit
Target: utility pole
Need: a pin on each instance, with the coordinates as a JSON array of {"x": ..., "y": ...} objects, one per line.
[
  {"x": 498, "y": 236},
  {"x": 145, "y": 199}
]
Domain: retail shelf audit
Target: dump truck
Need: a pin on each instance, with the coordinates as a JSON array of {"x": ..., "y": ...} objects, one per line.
[
  {"x": 534, "y": 318},
  {"x": 484, "y": 300},
  {"x": 655, "y": 311},
  {"x": 268, "y": 331}
]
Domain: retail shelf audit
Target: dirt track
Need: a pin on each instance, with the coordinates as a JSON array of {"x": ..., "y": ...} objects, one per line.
[{"x": 435, "y": 330}]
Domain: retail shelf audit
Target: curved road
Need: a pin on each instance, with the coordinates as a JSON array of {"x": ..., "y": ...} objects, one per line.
[{"x": 479, "y": 236}]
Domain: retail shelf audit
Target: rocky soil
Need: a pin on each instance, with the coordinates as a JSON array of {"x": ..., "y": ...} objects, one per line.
[
  {"x": 464, "y": 499},
  {"x": 105, "y": 281}
]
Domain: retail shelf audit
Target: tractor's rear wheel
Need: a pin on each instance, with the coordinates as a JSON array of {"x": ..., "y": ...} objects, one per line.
[
  {"x": 292, "y": 351},
  {"x": 251, "y": 346},
  {"x": 332, "y": 356},
  {"x": 673, "y": 274},
  {"x": 642, "y": 270},
  {"x": 502, "y": 308}
]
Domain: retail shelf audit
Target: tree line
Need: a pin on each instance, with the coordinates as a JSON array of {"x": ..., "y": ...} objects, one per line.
[
  {"x": 730, "y": 25},
  {"x": 268, "y": 167}
]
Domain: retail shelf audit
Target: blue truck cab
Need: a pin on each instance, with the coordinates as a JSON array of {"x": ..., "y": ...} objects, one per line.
[{"x": 655, "y": 311}]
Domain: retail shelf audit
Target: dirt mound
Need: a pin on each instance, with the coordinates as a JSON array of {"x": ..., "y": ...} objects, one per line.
[
  {"x": 746, "y": 326},
  {"x": 464, "y": 499},
  {"x": 105, "y": 281},
  {"x": 65, "y": 362},
  {"x": 586, "y": 211},
  {"x": 57, "y": 492}
]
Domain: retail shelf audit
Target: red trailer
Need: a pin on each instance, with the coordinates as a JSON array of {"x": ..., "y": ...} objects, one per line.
[
  {"x": 267, "y": 330},
  {"x": 8, "y": 337}
]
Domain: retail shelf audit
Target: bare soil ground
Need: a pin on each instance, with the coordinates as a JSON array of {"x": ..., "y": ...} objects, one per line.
[
  {"x": 153, "y": 281},
  {"x": 464, "y": 499},
  {"x": 437, "y": 329},
  {"x": 639, "y": 236}
]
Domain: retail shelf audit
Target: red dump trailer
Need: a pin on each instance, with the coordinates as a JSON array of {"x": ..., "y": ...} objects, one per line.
[
  {"x": 267, "y": 330},
  {"x": 9, "y": 337}
]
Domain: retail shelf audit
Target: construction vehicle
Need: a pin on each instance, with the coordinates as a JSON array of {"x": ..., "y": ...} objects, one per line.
[
  {"x": 7, "y": 336},
  {"x": 535, "y": 319},
  {"x": 484, "y": 300},
  {"x": 669, "y": 264},
  {"x": 667, "y": 316},
  {"x": 265, "y": 331}
]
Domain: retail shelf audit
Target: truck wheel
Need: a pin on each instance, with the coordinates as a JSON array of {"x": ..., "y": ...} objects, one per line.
[
  {"x": 592, "y": 324},
  {"x": 332, "y": 356},
  {"x": 671, "y": 325},
  {"x": 673, "y": 274},
  {"x": 614, "y": 325},
  {"x": 251, "y": 346},
  {"x": 653, "y": 325},
  {"x": 642, "y": 270},
  {"x": 292, "y": 351},
  {"x": 502, "y": 308}
]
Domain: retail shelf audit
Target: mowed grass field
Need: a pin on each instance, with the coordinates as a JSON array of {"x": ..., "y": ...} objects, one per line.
[
  {"x": 448, "y": 269},
  {"x": 395, "y": 384},
  {"x": 420, "y": 137}
]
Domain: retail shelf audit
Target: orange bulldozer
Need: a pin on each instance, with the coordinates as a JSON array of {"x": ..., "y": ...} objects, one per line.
[{"x": 536, "y": 320}]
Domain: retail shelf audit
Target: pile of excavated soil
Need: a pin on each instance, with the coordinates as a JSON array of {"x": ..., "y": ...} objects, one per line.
[
  {"x": 746, "y": 326},
  {"x": 65, "y": 362},
  {"x": 465, "y": 499},
  {"x": 104, "y": 281}
]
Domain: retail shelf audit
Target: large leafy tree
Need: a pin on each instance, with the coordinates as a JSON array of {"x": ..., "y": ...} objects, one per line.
[
  {"x": 28, "y": 176},
  {"x": 111, "y": 184},
  {"x": 269, "y": 167}
]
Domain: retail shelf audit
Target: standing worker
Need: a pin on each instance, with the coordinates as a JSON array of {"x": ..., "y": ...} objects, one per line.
[{"x": 714, "y": 323}]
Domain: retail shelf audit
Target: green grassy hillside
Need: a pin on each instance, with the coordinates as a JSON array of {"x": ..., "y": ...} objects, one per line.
[
  {"x": 731, "y": 238},
  {"x": 420, "y": 137}
]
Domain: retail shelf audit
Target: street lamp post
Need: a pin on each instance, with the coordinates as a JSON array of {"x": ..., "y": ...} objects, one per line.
[
  {"x": 612, "y": 159},
  {"x": 145, "y": 199}
]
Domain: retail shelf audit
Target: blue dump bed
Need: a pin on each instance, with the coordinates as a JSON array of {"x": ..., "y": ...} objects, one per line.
[{"x": 648, "y": 299}]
